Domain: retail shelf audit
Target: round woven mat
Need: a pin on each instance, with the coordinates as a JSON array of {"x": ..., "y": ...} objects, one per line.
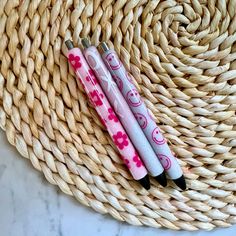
[{"x": 182, "y": 55}]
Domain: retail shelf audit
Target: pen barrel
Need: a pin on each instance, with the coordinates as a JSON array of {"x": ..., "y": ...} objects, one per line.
[
  {"x": 139, "y": 109},
  {"x": 106, "y": 113},
  {"x": 123, "y": 111}
]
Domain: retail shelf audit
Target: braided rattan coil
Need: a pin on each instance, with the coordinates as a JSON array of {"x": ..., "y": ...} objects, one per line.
[{"x": 182, "y": 55}]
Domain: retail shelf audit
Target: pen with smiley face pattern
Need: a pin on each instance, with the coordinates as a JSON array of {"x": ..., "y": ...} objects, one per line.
[
  {"x": 142, "y": 115},
  {"x": 124, "y": 113},
  {"x": 107, "y": 115}
]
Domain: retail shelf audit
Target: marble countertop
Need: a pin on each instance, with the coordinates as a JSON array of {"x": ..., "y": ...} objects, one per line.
[{"x": 30, "y": 206}]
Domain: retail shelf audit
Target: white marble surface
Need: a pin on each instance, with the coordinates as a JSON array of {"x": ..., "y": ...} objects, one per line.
[{"x": 30, "y": 206}]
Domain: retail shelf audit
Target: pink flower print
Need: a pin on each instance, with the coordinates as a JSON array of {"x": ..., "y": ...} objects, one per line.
[
  {"x": 126, "y": 161},
  {"x": 91, "y": 77},
  {"x": 120, "y": 139},
  {"x": 137, "y": 160},
  {"x": 112, "y": 115},
  {"x": 96, "y": 98},
  {"x": 75, "y": 61}
]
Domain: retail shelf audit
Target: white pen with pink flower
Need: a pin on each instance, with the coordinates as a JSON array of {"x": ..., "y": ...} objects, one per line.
[{"x": 107, "y": 115}]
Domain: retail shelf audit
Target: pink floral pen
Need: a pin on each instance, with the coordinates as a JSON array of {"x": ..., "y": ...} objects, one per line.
[{"x": 107, "y": 115}]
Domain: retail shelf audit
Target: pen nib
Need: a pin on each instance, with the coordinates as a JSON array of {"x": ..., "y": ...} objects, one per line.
[
  {"x": 145, "y": 182},
  {"x": 180, "y": 182},
  {"x": 161, "y": 179}
]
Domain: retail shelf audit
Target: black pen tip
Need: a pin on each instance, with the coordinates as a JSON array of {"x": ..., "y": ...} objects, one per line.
[
  {"x": 180, "y": 182},
  {"x": 161, "y": 179},
  {"x": 145, "y": 182}
]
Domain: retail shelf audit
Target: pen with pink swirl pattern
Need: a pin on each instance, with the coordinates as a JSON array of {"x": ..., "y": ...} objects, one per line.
[
  {"x": 124, "y": 113},
  {"x": 107, "y": 115},
  {"x": 142, "y": 115}
]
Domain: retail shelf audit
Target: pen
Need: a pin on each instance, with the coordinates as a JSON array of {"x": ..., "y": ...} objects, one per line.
[
  {"x": 107, "y": 115},
  {"x": 125, "y": 114},
  {"x": 142, "y": 115}
]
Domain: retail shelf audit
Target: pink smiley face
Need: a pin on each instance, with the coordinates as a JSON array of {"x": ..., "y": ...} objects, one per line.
[
  {"x": 142, "y": 120},
  {"x": 119, "y": 82},
  {"x": 165, "y": 161},
  {"x": 134, "y": 98},
  {"x": 113, "y": 61},
  {"x": 157, "y": 136}
]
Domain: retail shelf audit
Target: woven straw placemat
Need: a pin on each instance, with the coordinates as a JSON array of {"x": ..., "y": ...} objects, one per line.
[{"x": 182, "y": 55}]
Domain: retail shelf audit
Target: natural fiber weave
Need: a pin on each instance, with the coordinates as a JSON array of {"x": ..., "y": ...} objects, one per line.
[{"x": 182, "y": 55}]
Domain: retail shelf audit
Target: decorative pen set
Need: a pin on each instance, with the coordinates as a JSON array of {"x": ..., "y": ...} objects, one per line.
[{"x": 124, "y": 114}]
